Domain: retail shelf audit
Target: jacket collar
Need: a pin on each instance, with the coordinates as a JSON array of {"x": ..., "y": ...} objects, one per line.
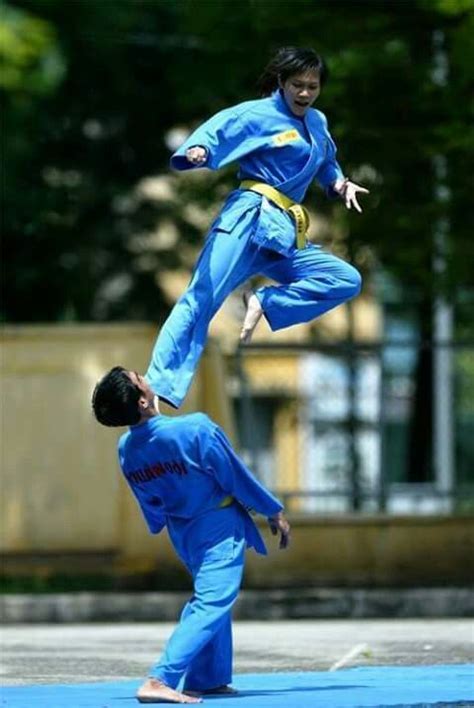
[{"x": 281, "y": 104}]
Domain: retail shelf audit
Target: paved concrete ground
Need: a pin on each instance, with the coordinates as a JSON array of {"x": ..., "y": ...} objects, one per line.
[{"x": 34, "y": 654}]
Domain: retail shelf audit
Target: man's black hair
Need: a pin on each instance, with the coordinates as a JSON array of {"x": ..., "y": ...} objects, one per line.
[
  {"x": 287, "y": 62},
  {"x": 115, "y": 399}
]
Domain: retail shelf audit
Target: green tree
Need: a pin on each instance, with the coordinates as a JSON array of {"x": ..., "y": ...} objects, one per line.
[{"x": 88, "y": 110}]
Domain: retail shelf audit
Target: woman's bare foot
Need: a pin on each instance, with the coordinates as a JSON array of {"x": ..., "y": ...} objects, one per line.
[
  {"x": 252, "y": 317},
  {"x": 155, "y": 691}
]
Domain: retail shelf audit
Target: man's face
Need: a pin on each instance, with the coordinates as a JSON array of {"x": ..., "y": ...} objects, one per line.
[
  {"x": 301, "y": 91},
  {"x": 144, "y": 387}
]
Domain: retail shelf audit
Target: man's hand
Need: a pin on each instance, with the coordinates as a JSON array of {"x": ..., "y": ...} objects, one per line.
[
  {"x": 348, "y": 191},
  {"x": 196, "y": 155},
  {"x": 279, "y": 524}
]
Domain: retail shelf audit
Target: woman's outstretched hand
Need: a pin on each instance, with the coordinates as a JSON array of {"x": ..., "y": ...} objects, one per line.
[
  {"x": 196, "y": 155},
  {"x": 348, "y": 191}
]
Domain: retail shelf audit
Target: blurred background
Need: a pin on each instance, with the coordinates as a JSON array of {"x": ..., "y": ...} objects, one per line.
[{"x": 362, "y": 421}]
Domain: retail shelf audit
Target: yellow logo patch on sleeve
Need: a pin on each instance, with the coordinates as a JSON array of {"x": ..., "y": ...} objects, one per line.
[{"x": 289, "y": 136}]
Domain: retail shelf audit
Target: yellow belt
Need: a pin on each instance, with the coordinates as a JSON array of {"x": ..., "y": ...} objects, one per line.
[
  {"x": 297, "y": 211},
  {"x": 227, "y": 501}
]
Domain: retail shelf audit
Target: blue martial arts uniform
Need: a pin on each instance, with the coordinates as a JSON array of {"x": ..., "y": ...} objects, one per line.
[
  {"x": 253, "y": 236},
  {"x": 180, "y": 470}
]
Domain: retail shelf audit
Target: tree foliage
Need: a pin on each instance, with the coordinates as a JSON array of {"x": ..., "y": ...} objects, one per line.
[{"x": 91, "y": 90}]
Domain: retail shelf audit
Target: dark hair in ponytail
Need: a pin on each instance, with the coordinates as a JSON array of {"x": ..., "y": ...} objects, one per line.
[{"x": 287, "y": 62}]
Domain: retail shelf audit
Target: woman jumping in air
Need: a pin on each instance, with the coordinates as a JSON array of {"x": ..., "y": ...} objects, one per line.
[{"x": 281, "y": 145}]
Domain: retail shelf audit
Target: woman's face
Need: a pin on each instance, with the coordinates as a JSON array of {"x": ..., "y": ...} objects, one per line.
[{"x": 301, "y": 91}]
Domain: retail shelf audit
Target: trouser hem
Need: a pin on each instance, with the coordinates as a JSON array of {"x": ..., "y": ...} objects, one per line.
[
  {"x": 198, "y": 686},
  {"x": 170, "y": 680},
  {"x": 169, "y": 402}
]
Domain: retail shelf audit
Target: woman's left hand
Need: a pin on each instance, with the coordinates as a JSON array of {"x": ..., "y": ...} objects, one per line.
[{"x": 348, "y": 191}]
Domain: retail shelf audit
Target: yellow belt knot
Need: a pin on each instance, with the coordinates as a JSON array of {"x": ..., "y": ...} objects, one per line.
[{"x": 297, "y": 211}]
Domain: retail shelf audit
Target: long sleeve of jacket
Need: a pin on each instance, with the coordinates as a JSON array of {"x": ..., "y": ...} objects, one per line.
[
  {"x": 154, "y": 517},
  {"x": 330, "y": 170},
  {"x": 234, "y": 477},
  {"x": 227, "y": 137},
  {"x": 150, "y": 506}
]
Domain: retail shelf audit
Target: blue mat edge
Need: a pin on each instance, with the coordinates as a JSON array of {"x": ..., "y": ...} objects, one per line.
[{"x": 340, "y": 673}]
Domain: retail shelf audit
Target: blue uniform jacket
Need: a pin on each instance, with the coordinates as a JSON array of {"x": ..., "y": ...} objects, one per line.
[
  {"x": 271, "y": 145},
  {"x": 182, "y": 468}
]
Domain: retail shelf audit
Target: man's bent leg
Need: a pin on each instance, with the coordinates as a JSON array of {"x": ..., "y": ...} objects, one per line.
[{"x": 216, "y": 586}]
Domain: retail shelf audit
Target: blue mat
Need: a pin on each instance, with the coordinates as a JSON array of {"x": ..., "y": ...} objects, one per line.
[{"x": 367, "y": 687}]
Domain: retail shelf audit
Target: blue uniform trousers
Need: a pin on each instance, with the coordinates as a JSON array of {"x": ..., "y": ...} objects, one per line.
[
  {"x": 312, "y": 282},
  {"x": 200, "y": 648}
]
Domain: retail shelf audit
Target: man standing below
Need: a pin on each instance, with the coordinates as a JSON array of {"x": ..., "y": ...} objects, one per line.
[{"x": 186, "y": 476}]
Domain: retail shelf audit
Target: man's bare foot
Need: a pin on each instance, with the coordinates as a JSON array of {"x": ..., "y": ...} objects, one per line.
[
  {"x": 155, "y": 691},
  {"x": 252, "y": 316},
  {"x": 218, "y": 691}
]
